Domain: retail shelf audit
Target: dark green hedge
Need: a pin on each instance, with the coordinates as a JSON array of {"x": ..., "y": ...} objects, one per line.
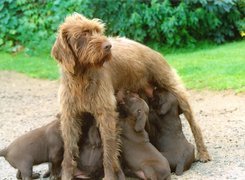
[{"x": 33, "y": 23}]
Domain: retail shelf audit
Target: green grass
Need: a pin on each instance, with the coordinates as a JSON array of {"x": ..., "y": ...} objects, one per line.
[
  {"x": 211, "y": 67},
  {"x": 207, "y": 66},
  {"x": 42, "y": 66}
]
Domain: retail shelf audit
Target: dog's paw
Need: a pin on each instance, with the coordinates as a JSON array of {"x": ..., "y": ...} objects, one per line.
[{"x": 204, "y": 157}]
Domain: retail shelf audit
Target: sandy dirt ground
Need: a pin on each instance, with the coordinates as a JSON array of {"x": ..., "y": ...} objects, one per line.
[{"x": 27, "y": 103}]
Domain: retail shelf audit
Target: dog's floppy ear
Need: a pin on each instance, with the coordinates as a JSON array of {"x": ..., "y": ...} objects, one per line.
[
  {"x": 140, "y": 122},
  {"x": 165, "y": 107},
  {"x": 63, "y": 53}
]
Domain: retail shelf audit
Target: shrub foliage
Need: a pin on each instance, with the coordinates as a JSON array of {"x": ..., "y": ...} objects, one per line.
[{"x": 33, "y": 23}]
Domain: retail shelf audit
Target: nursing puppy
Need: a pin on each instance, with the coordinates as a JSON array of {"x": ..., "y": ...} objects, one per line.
[
  {"x": 166, "y": 132},
  {"x": 91, "y": 154},
  {"x": 139, "y": 154},
  {"x": 90, "y": 164}
]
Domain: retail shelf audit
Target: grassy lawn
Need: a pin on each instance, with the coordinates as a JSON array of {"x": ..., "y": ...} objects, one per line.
[
  {"x": 215, "y": 68},
  {"x": 205, "y": 67},
  {"x": 42, "y": 66}
]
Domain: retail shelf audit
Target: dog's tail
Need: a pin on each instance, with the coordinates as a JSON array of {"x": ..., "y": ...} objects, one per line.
[
  {"x": 166, "y": 77},
  {"x": 3, "y": 152}
]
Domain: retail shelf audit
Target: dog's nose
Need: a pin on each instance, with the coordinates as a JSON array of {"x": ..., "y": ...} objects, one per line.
[{"x": 106, "y": 46}]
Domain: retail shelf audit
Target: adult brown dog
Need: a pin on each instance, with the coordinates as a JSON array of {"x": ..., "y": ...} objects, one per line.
[
  {"x": 81, "y": 49},
  {"x": 166, "y": 132},
  {"x": 140, "y": 155},
  {"x": 134, "y": 65},
  {"x": 88, "y": 83}
]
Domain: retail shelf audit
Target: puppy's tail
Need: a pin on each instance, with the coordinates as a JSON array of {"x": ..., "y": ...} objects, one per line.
[
  {"x": 166, "y": 77},
  {"x": 3, "y": 152}
]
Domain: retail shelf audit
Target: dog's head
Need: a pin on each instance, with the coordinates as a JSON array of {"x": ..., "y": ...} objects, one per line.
[
  {"x": 81, "y": 42},
  {"x": 138, "y": 108},
  {"x": 163, "y": 101}
]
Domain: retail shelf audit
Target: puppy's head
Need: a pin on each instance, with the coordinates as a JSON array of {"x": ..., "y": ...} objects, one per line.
[
  {"x": 163, "y": 101},
  {"x": 138, "y": 108},
  {"x": 81, "y": 42}
]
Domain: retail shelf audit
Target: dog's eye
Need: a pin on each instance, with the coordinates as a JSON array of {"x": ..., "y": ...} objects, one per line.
[
  {"x": 139, "y": 111},
  {"x": 87, "y": 32}
]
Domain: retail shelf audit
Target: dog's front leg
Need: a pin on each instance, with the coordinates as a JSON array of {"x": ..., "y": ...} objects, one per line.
[
  {"x": 110, "y": 135},
  {"x": 71, "y": 131}
]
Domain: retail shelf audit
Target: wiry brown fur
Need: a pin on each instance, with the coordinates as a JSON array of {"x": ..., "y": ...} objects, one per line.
[
  {"x": 89, "y": 80},
  {"x": 81, "y": 49}
]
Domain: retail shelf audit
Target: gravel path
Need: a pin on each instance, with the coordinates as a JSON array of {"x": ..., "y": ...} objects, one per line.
[{"x": 27, "y": 103}]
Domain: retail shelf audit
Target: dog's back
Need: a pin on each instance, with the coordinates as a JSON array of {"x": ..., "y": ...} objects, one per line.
[{"x": 121, "y": 64}]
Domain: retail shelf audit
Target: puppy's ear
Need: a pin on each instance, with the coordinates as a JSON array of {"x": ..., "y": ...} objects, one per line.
[
  {"x": 165, "y": 107},
  {"x": 140, "y": 122},
  {"x": 63, "y": 53}
]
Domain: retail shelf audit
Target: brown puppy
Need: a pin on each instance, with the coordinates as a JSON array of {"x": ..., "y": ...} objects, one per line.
[
  {"x": 91, "y": 154},
  {"x": 90, "y": 162},
  {"x": 139, "y": 154},
  {"x": 166, "y": 132},
  {"x": 88, "y": 86},
  {"x": 45, "y": 144},
  {"x": 37, "y": 146}
]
